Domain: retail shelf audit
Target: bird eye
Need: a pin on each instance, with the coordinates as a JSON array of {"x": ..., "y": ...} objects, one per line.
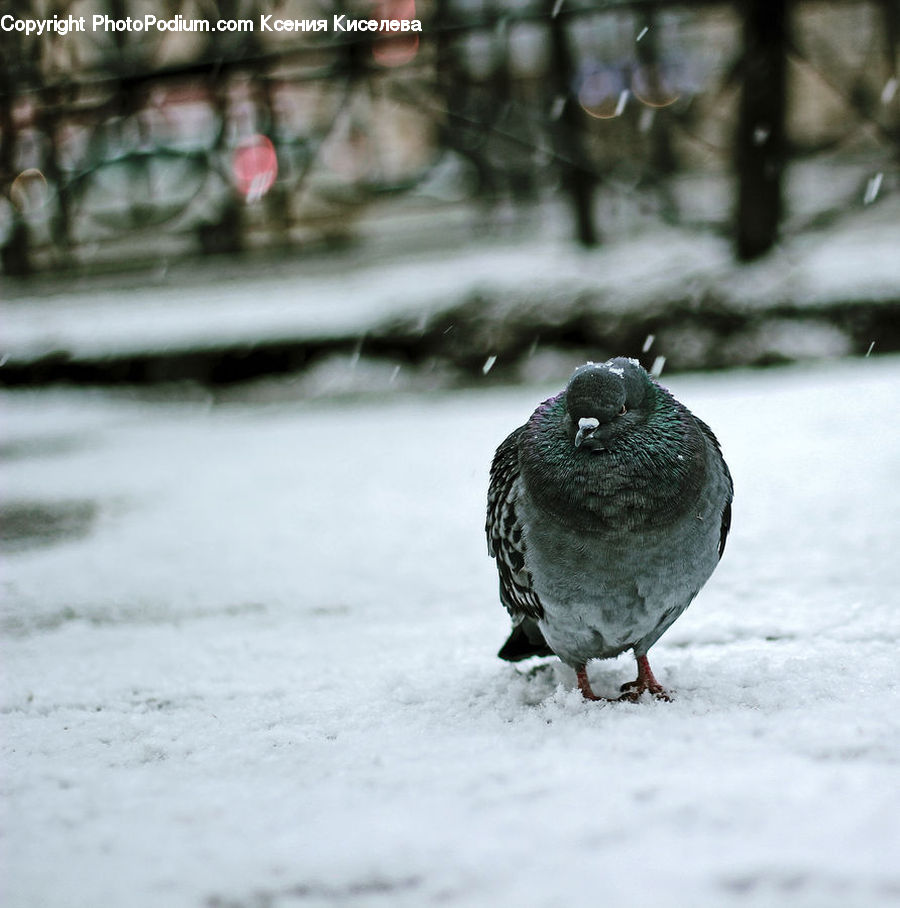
[{"x": 623, "y": 411}]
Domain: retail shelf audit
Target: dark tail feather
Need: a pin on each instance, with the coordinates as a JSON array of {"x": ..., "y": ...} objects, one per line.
[{"x": 525, "y": 640}]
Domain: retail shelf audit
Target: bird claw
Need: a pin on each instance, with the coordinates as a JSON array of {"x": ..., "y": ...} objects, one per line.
[
  {"x": 596, "y": 698},
  {"x": 644, "y": 683},
  {"x": 634, "y": 690}
]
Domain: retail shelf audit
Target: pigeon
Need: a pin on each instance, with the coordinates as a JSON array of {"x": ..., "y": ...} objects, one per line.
[{"x": 607, "y": 512}]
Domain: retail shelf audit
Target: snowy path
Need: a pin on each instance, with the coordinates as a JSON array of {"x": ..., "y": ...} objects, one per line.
[{"x": 266, "y": 677}]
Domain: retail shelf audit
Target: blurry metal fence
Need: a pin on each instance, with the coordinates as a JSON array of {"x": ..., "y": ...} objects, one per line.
[{"x": 119, "y": 144}]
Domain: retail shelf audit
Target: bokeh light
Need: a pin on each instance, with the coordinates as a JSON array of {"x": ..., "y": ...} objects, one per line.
[
  {"x": 255, "y": 167},
  {"x": 29, "y": 191},
  {"x": 656, "y": 85},
  {"x": 395, "y": 48},
  {"x": 602, "y": 92}
]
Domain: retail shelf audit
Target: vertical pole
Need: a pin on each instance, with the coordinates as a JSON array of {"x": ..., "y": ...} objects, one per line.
[
  {"x": 663, "y": 163},
  {"x": 14, "y": 254},
  {"x": 760, "y": 150},
  {"x": 577, "y": 177}
]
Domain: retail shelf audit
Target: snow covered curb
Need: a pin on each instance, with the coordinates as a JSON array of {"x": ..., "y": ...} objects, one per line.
[{"x": 822, "y": 295}]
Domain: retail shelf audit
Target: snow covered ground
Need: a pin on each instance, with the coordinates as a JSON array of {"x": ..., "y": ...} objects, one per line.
[{"x": 265, "y": 676}]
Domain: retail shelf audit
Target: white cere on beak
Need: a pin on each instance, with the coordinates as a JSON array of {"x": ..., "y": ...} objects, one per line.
[{"x": 586, "y": 425}]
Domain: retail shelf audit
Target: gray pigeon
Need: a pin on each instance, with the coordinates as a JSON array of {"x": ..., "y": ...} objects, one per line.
[{"x": 607, "y": 512}]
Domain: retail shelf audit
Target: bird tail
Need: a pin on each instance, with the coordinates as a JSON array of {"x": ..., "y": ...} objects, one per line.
[{"x": 525, "y": 640}]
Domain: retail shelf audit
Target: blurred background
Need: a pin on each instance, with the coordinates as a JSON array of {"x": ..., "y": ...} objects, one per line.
[{"x": 679, "y": 141}]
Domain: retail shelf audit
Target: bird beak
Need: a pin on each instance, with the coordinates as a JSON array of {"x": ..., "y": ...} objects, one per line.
[{"x": 586, "y": 426}]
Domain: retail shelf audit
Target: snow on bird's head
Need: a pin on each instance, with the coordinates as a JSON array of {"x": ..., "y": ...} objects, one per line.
[
  {"x": 601, "y": 390},
  {"x": 595, "y": 391}
]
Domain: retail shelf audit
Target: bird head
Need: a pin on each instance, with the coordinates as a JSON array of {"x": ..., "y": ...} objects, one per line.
[{"x": 599, "y": 398}]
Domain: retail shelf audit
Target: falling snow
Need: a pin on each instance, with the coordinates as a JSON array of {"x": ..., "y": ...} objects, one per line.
[
  {"x": 872, "y": 189},
  {"x": 761, "y": 135}
]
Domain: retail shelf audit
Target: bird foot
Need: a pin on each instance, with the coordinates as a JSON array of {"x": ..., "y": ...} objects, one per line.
[
  {"x": 644, "y": 683},
  {"x": 632, "y": 691},
  {"x": 584, "y": 685}
]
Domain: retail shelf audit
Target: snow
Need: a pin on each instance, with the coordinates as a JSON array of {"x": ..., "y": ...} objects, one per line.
[
  {"x": 872, "y": 188},
  {"x": 347, "y": 297},
  {"x": 266, "y": 676}
]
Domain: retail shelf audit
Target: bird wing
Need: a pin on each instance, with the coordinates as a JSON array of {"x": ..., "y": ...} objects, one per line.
[
  {"x": 726, "y": 511},
  {"x": 726, "y": 526},
  {"x": 506, "y": 541}
]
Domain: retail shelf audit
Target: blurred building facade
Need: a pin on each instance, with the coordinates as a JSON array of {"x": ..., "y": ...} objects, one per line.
[{"x": 121, "y": 144}]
